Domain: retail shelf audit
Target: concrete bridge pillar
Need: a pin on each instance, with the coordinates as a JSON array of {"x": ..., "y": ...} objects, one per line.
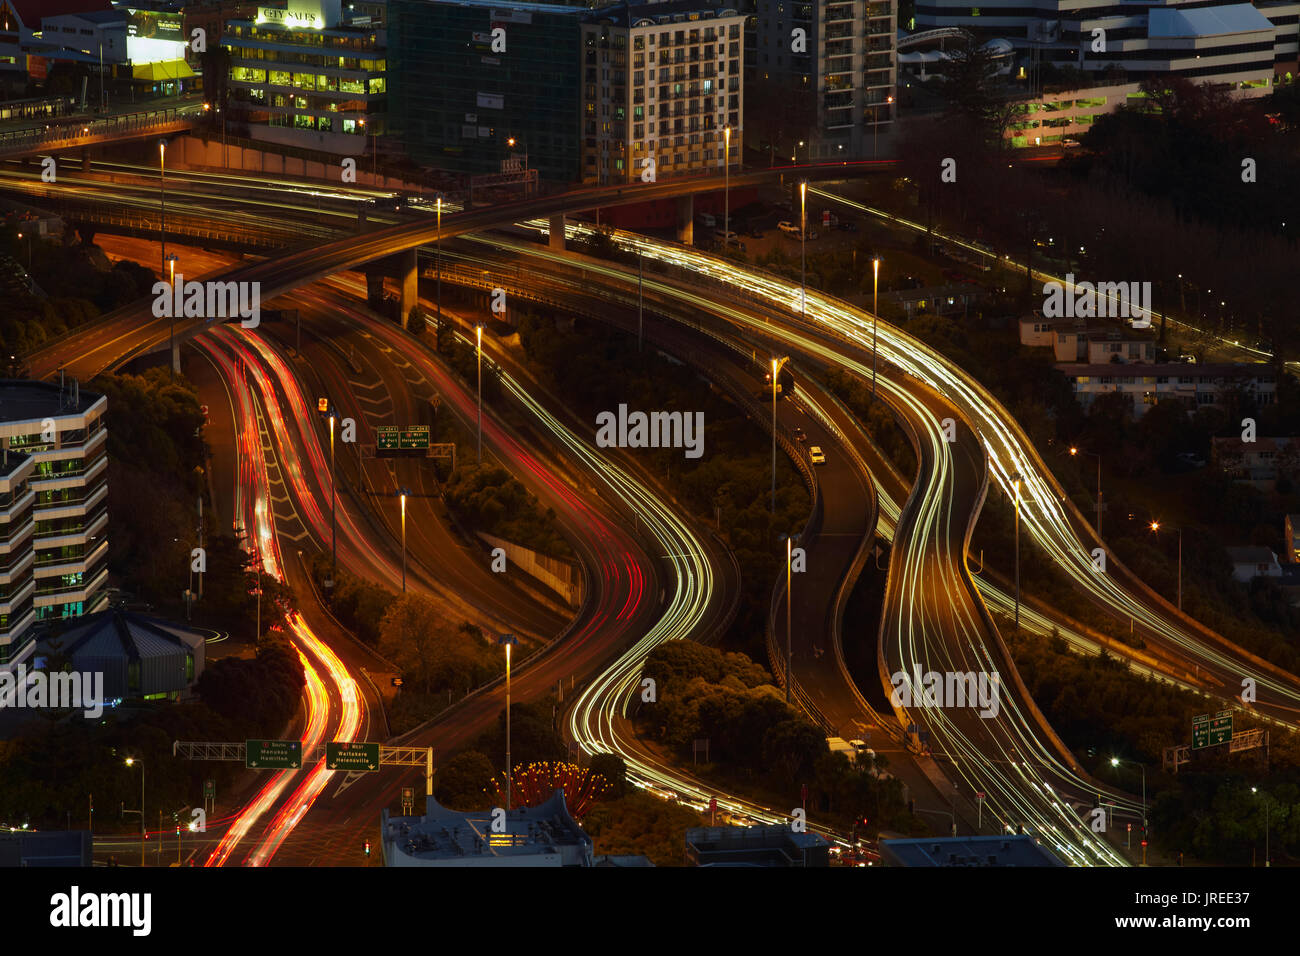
[
  {"x": 409, "y": 271},
  {"x": 374, "y": 286},
  {"x": 686, "y": 220},
  {"x": 176, "y": 357},
  {"x": 556, "y": 240}
]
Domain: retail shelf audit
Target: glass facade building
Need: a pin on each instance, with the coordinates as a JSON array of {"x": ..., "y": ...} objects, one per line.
[{"x": 457, "y": 96}]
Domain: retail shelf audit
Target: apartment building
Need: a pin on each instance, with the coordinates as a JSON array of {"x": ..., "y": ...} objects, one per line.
[
  {"x": 1194, "y": 385},
  {"x": 662, "y": 86},
  {"x": 827, "y": 69},
  {"x": 1259, "y": 463},
  {"x": 1072, "y": 340},
  {"x": 53, "y": 508}
]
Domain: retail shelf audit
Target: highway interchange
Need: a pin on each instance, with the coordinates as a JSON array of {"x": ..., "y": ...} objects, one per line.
[{"x": 653, "y": 574}]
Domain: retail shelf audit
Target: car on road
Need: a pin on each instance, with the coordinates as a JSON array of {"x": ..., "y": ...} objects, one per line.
[
  {"x": 791, "y": 230},
  {"x": 800, "y": 435},
  {"x": 847, "y": 225},
  {"x": 816, "y": 455},
  {"x": 732, "y": 239}
]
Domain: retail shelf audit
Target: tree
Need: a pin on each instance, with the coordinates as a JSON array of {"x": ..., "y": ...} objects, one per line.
[
  {"x": 463, "y": 782},
  {"x": 791, "y": 749},
  {"x": 614, "y": 769}
]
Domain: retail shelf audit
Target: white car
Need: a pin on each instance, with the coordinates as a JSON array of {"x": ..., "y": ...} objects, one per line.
[{"x": 815, "y": 453}]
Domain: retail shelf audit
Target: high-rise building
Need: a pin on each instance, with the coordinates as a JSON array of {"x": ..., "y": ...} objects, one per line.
[
  {"x": 53, "y": 508},
  {"x": 474, "y": 84},
  {"x": 305, "y": 76},
  {"x": 824, "y": 79},
  {"x": 662, "y": 83}
]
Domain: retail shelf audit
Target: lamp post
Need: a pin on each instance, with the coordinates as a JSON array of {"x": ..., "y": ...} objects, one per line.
[
  {"x": 29, "y": 251},
  {"x": 1075, "y": 451},
  {"x": 171, "y": 323},
  {"x": 403, "y": 498},
  {"x": 789, "y": 597},
  {"x": 803, "y": 246},
  {"x": 1155, "y": 526},
  {"x": 334, "y": 540},
  {"x": 726, "y": 191},
  {"x": 131, "y": 762},
  {"x": 509, "y": 641},
  {"x": 1115, "y": 762},
  {"x": 875, "y": 290},
  {"x": 1017, "y": 478},
  {"x": 1267, "y": 862},
  {"x": 162, "y": 207},
  {"x": 777, "y": 365},
  {"x": 875, "y": 124},
  {"x": 437, "y": 256},
  {"x": 478, "y": 332}
]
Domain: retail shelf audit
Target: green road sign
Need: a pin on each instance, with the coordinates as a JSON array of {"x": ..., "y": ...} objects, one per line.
[
  {"x": 401, "y": 438},
  {"x": 1210, "y": 731},
  {"x": 355, "y": 756},
  {"x": 273, "y": 754},
  {"x": 1221, "y": 728},
  {"x": 414, "y": 436},
  {"x": 209, "y": 789}
]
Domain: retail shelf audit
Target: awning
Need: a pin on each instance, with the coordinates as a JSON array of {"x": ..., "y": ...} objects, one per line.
[{"x": 162, "y": 70}]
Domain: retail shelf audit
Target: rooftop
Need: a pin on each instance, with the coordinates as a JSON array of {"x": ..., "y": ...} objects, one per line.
[
  {"x": 450, "y": 837},
  {"x": 1236, "y": 370},
  {"x": 1207, "y": 21},
  {"x": 24, "y": 400},
  {"x": 621, "y": 14},
  {"x": 967, "y": 851}
]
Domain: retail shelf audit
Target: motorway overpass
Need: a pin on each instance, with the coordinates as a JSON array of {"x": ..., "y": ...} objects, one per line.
[{"x": 120, "y": 336}]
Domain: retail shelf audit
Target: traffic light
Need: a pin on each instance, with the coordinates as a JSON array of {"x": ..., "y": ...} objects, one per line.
[{"x": 367, "y": 847}]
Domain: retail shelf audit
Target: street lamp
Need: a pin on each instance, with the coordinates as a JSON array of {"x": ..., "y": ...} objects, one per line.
[
  {"x": 875, "y": 291},
  {"x": 1267, "y": 862},
  {"x": 726, "y": 192},
  {"x": 1017, "y": 479},
  {"x": 1115, "y": 762},
  {"x": 789, "y": 597},
  {"x": 509, "y": 641},
  {"x": 162, "y": 183},
  {"x": 478, "y": 332},
  {"x": 131, "y": 762},
  {"x": 171, "y": 324},
  {"x": 1155, "y": 526},
  {"x": 875, "y": 124},
  {"x": 1075, "y": 451},
  {"x": 803, "y": 246},
  {"x": 437, "y": 255},
  {"x": 403, "y": 498},
  {"x": 777, "y": 365},
  {"x": 334, "y": 540},
  {"x": 29, "y": 251}
]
